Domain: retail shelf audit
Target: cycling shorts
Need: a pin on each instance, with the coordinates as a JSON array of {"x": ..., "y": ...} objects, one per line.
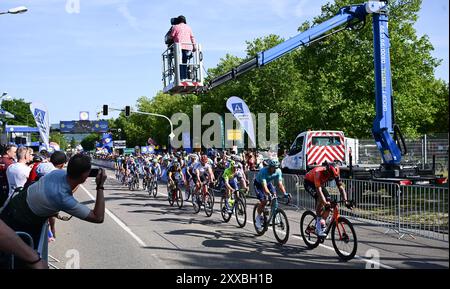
[
  {"x": 311, "y": 189},
  {"x": 260, "y": 195}
]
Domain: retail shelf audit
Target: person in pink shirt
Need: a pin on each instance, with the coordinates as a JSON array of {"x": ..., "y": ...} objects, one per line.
[{"x": 182, "y": 33}]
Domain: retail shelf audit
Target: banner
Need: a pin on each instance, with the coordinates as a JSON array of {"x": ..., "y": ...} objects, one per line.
[
  {"x": 85, "y": 126},
  {"x": 241, "y": 112},
  {"x": 40, "y": 114}
]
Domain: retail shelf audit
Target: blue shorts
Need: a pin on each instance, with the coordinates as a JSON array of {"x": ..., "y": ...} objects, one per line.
[
  {"x": 260, "y": 195},
  {"x": 232, "y": 182}
]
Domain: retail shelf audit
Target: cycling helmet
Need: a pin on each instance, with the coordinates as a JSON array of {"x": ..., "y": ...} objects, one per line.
[
  {"x": 333, "y": 169},
  {"x": 273, "y": 163},
  {"x": 155, "y": 161}
]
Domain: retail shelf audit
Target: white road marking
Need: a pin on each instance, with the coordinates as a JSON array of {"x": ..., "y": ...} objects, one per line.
[
  {"x": 118, "y": 221},
  {"x": 356, "y": 256}
]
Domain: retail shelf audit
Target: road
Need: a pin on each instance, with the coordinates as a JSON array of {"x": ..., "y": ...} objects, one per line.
[{"x": 142, "y": 232}]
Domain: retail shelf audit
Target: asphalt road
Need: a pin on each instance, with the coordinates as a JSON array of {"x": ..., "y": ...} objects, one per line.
[{"x": 142, "y": 232}]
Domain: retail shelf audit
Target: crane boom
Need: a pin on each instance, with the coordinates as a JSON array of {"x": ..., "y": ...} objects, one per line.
[{"x": 383, "y": 125}]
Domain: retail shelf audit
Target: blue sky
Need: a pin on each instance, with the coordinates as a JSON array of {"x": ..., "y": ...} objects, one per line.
[{"x": 110, "y": 52}]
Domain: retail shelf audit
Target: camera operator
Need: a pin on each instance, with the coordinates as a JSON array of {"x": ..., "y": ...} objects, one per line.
[{"x": 29, "y": 208}]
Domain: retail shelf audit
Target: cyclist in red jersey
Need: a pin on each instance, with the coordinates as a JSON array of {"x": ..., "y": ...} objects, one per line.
[{"x": 315, "y": 181}]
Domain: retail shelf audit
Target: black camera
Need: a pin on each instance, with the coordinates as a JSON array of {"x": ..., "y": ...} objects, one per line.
[{"x": 174, "y": 21}]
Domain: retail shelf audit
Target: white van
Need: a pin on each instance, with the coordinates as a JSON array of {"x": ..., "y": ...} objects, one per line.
[{"x": 312, "y": 148}]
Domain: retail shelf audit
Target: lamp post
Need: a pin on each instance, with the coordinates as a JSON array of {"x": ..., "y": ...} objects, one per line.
[{"x": 17, "y": 10}]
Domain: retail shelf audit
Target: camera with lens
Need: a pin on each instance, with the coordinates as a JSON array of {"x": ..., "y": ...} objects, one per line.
[{"x": 174, "y": 21}]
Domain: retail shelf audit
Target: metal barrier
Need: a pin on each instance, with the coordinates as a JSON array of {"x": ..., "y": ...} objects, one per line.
[{"x": 406, "y": 210}]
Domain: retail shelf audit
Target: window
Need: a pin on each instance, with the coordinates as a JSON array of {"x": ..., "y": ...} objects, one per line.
[
  {"x": 326, "y": 141},
  {"x": 297, "y": 146}
]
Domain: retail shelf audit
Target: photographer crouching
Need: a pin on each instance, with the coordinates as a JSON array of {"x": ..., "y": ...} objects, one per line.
[{"x": 29, "y": 208}]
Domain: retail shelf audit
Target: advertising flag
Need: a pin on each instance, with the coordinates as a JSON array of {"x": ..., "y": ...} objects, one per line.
[
  {"x": 242, "y": 113},
  {"x": 40, "y": 114}
]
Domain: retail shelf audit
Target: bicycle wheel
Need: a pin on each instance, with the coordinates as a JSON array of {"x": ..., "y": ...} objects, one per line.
[
  {"x": 264, "y": 226},
  {"x": 308, "y": 229},
  {"x": 344, "y": 239},
  {"x": 211, "y": 193},
  {"x": 243, "y": 198},
  {"x": 280, "y": 225},
  {"x": 155, "y": 189},
  {"x": 196, "y": 203},
  {"x": 240, "y": 212},
  {"x": 179, "y": 197},
  {"x": 171, "y": 197},
  {"x": 209, "y": 205},
  {"x": 223, "y": 210},
  {"x": 130, "y": 185}
]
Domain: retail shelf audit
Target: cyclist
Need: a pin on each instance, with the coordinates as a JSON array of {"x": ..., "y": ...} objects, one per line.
[
  {"x": 264, "y": 187},
  {"x": 202, "y": 169},
  {"x": 229, "y": 180},
  {"x": 190, "y": 181},
  {"x": 174, "y": 174},
  {"x": 242, "y": 178},
  {"x": 315, "y": 181}
]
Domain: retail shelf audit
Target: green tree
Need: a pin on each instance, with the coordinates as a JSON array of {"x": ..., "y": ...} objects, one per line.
[
  {"x": 88, "y": 143},
  {"x": 59, "y": 138},
  {"x": 21, "y": 111},
  {"x": 73, "y": 143}
]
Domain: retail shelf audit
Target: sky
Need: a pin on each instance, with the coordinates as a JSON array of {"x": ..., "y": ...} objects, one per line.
[{"x": 76, "y": 55}]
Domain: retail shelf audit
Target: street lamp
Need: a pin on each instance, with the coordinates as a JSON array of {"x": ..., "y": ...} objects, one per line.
[{"x": 17, "y": 10}]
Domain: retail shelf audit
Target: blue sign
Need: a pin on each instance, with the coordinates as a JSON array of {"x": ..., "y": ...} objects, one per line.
[
  {"x": 84, "y": 126},
  {"x": 237, "y": 108}
]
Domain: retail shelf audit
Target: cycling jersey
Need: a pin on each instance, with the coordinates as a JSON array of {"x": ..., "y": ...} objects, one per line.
[
  {"x": 228, "y": 174},
  {"x": 203, "y": 169},
  {"x": 319, "y": 176},
  {"x": 264, "y": 177}
]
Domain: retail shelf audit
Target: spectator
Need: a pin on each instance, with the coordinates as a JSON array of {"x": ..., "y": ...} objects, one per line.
[
  {"x": 11, "y": 243},
  {"x": 57, "y": 161},
  {"x": 251, "y": 162},
  {"x": 30, "y": 156},
  {"x": 182, "y": 33},
  {"x": 18, "y": 173},
  {"x": 6, "y": 160},
  {"x": 29, "y": 209}
]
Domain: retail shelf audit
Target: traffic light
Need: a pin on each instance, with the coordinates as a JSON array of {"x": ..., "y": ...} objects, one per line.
[
  {"x": 127, "y": 111},
  {"x": 105, "y": 109}
]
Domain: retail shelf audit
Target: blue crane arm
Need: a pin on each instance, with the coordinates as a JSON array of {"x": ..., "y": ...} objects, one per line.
[
  {"x": 383, "y": 125},
  {"x": 345, "y": 15}
]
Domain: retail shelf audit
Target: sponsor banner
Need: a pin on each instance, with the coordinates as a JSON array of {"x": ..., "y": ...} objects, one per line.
[
  {"x": 242, "y": 113},
  {"x": 84, "y": 126},
  {"x": 40, "y": 114},
  {"x": 120, "y": 144}
]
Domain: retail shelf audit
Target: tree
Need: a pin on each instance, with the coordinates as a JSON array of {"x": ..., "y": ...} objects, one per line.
[
  {"x": 73, "y": 143},
  {"x": 59, "y": 138},
  {"x": 21, "y": 111},
  {"x": 88, "y": 143}
]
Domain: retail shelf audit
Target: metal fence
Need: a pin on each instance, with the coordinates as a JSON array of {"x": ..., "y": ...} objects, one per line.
[
  {"x": 420, "y": 152},
  {"x": 404, "y": 210}
]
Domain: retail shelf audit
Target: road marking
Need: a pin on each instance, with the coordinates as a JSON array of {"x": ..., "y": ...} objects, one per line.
[
  {"x": 118, "y": 221},
  {"x": 356, "y": 256}
]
